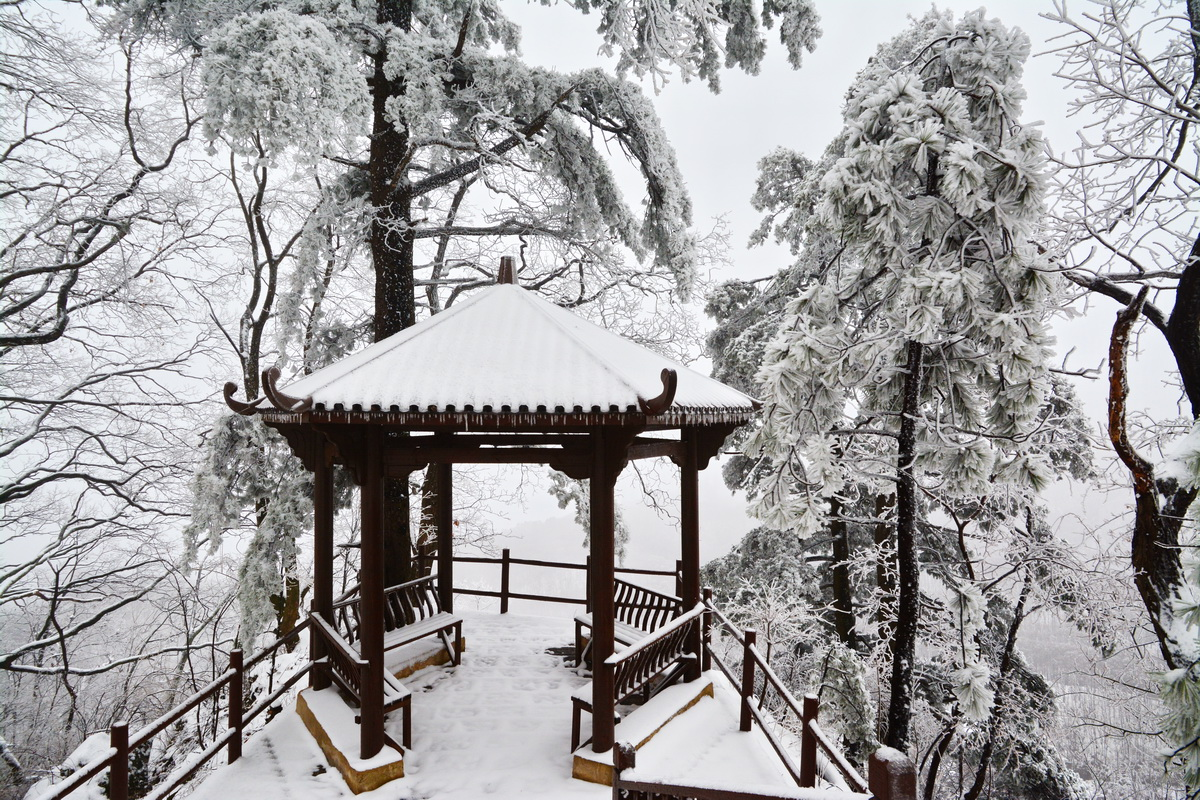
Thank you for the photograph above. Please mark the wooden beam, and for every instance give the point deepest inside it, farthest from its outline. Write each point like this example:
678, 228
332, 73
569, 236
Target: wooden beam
444, 519
655, 448
370, 643
408, 457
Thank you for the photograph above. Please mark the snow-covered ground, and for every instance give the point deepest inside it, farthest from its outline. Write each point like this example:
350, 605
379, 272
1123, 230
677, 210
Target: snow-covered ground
500, 726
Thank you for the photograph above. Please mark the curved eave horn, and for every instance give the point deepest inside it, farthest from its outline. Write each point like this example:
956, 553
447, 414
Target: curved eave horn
245, 409
280, 400
657, 405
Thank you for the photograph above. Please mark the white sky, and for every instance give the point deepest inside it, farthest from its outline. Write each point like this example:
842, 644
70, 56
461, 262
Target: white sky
720, 138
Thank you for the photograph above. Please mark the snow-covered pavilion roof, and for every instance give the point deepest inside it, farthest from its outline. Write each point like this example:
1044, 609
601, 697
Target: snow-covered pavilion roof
506, 349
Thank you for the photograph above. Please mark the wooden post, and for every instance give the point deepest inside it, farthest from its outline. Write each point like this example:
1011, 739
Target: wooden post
371, 598
808, 742
749, 637
504, 568
706, 631
322, 602
679, 579
892, 775
236, 687
603, 478
118, 771
587, 588
624, 757
445, 534
689, 527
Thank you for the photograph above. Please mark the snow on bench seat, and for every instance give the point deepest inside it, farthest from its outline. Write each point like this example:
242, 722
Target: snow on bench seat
411, 611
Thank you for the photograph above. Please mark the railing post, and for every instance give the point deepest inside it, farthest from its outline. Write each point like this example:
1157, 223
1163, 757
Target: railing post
624, 757
118, 771
504, 567
749, 637
706, 631
235, 704
808, 742
891, 775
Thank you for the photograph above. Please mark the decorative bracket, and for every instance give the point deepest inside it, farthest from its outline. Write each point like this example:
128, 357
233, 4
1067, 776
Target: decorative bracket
237, 406
280, 400
656, 405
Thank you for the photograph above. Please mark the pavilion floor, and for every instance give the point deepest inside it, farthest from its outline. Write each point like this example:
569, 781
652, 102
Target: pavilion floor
499, 726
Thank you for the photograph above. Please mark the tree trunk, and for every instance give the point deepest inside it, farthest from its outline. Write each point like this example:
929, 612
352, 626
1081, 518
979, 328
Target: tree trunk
392, 256
904, 641
843, 596
1154, 549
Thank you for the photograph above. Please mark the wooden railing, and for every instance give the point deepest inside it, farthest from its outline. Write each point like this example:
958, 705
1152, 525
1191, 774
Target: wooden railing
341, 664
231, 683
506, 562
892, 777
773, 707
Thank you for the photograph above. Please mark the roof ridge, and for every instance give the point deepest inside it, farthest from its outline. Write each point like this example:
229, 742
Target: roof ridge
579, 341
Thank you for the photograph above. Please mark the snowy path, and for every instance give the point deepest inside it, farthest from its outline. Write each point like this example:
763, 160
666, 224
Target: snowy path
498, 726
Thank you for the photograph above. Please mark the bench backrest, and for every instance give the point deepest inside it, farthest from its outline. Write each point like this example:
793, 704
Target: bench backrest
403, 605
667, 647
642, 608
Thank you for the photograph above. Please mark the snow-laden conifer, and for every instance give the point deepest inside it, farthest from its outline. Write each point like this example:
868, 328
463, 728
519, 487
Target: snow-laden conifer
920, 346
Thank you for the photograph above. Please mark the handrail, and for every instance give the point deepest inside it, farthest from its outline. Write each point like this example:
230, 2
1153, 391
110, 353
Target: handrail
812, 736
116, 757
530, 562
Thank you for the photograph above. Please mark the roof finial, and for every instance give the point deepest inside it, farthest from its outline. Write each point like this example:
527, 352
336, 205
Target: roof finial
508, 270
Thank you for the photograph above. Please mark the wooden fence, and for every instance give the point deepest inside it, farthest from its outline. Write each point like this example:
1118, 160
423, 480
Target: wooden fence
506, 562
765, 701
231, 684
892, 777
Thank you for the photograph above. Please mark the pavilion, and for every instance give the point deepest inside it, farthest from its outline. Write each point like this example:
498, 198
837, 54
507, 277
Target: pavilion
502, 377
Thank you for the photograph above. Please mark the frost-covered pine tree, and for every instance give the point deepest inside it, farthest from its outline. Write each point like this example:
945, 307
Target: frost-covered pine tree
914, 359
422, 122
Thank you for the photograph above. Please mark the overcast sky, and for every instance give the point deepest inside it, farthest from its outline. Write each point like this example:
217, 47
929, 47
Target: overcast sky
719, 139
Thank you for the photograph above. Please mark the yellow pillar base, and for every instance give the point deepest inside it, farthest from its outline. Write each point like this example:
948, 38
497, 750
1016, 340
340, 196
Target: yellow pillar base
331, 723
639, 727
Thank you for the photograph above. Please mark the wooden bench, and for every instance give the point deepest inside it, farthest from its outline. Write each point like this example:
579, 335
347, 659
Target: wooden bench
637, 612
647, 666
348, 671
411, 611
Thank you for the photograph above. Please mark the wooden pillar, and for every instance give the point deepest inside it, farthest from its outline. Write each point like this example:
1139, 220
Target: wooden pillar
689, 526
371, 614
444, 520
322, 601
603, 480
